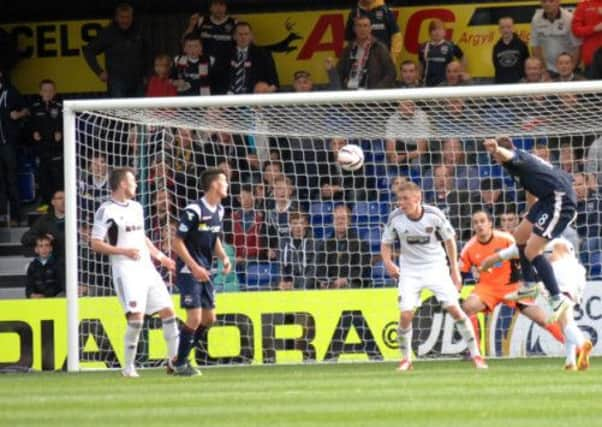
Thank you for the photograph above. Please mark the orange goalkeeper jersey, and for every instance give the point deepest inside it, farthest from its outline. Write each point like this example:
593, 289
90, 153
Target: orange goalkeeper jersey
474, 252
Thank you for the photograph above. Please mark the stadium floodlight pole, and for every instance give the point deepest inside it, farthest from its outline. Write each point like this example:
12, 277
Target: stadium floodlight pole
71, 252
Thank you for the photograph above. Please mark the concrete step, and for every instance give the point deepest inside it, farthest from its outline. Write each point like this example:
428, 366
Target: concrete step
14, 249
12, 235
14, 265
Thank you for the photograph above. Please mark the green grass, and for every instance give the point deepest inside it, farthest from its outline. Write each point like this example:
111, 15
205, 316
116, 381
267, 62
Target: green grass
534, 392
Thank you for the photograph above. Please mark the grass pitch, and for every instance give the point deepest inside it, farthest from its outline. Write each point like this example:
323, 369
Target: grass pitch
534, 392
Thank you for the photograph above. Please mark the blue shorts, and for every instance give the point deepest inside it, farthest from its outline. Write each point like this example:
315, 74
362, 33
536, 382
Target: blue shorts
195, 294
552, 215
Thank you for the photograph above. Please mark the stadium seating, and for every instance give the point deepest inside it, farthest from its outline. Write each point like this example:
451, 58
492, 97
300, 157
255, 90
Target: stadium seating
260, 276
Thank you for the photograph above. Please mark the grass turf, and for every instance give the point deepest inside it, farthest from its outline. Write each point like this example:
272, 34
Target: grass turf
533, 392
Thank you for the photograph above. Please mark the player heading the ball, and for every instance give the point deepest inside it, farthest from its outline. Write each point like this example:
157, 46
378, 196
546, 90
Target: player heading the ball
139, 287
547, 218
420, 230
197, 241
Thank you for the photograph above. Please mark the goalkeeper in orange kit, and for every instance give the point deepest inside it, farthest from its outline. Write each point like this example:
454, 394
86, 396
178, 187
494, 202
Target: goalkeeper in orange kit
502, 279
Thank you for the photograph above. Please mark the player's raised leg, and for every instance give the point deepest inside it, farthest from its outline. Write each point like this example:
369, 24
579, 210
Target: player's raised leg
552, 212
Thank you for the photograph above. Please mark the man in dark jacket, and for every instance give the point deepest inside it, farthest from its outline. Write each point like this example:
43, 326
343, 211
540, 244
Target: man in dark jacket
365, 63
298, 255
249, 64
345, 259
509, 54
51, 225
12, 110
126, 55
46, 273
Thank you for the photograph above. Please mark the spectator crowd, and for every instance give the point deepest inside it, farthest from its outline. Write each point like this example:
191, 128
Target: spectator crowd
295, 220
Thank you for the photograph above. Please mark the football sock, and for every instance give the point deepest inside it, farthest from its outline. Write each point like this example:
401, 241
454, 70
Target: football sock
170, 334
465, 329
132, 334
405, 342
476, 328
554, 330
200, 334
526, 267
574, 340
185, 344
573, 334
546, 273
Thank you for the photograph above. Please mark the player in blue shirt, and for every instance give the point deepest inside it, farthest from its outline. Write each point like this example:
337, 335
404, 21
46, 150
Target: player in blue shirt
549, 215
197, 241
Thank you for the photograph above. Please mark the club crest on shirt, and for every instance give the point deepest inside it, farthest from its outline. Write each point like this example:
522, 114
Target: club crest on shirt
132, 304
429, 229
183, 228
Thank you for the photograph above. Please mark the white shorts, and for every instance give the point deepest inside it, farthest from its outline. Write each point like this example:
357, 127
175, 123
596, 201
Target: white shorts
438, 281
141, 290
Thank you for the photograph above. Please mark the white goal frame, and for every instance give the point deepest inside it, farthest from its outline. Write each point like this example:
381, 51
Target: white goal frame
72, 108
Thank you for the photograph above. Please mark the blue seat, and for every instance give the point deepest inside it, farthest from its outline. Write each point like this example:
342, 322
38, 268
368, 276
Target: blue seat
261, 275
380, 277
321, 213
372, 236
594, 264
323, 232
490, 171
366, 213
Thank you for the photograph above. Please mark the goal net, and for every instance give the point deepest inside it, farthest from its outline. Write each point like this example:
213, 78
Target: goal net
302, 229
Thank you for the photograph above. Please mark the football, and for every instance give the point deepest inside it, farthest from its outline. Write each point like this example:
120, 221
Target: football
350, 157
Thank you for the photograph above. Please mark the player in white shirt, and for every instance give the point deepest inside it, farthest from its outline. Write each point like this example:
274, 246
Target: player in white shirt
570, 275
119, 232
423, 265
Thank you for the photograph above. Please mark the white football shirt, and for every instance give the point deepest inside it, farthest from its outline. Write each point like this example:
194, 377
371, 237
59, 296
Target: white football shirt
123, 224
420, 239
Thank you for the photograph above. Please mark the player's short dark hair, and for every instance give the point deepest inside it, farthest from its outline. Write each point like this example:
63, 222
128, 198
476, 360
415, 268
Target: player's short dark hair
407, 62
242, 24
212, 2
47, 82
118, 175
193, 37
209, 176
484, 211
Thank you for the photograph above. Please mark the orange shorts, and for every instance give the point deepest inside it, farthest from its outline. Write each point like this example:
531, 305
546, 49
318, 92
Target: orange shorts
494, 295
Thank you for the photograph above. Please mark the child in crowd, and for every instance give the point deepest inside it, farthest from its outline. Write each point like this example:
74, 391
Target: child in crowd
45, 274
192, 69
160, 83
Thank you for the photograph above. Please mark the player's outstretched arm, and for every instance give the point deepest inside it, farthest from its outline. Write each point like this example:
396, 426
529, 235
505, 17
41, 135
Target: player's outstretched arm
452, 254
105, 248
199, 273
386, 252
500, 154
222, 255
155, 253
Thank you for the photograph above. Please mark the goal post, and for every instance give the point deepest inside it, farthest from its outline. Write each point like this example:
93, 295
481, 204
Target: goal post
141, 132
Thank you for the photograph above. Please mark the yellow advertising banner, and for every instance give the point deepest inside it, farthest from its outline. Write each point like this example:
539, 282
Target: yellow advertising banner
299, 40
252, 328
